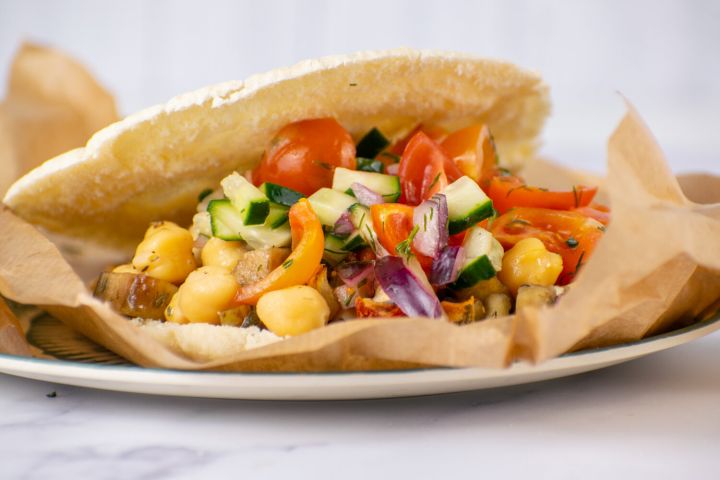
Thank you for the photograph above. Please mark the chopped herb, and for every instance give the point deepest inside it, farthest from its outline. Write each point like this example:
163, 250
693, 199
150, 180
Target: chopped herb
204, 193
362, 218
504, 172
348, 300
324, 165
371, 236
335, 251
51, 395
160, 300
370, 165
571, 242
259, 268
383, 225
521, 187
431, 213
435, 180
601, 228
425, 221
403, 248
287, 263
352, 84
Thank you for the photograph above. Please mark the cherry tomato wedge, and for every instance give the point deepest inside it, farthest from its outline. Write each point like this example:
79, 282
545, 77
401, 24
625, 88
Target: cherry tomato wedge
508, 192
601, 213
393, 223
421, 170
572, 235
303, 155
436, 133
473, 151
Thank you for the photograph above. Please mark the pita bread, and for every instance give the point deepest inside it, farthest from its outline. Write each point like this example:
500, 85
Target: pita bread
153, 164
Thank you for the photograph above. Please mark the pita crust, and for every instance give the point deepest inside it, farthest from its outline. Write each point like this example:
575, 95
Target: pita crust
152, 165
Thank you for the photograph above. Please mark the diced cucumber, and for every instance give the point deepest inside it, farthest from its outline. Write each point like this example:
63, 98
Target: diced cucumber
337, 248
226, 223
483, 258
386, 185
329, 204
280, 195
370, 165
360, 216
467, 204
278, 215
251, 203
371, 144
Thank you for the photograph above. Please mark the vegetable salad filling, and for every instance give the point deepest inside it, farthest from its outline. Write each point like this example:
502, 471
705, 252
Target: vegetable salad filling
324, 230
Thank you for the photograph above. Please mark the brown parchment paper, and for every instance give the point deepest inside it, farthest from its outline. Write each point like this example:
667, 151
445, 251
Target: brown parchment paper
658, 266
52, 104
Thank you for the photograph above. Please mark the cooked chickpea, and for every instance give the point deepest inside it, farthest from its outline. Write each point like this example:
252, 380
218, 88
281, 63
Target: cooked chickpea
165, 253
529, 262
172, 311
293, 310
206, 292
223, 254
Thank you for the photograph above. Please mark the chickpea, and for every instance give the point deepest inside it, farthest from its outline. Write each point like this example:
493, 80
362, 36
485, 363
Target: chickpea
172, 311
223, 254
206, 292
165, 253
293, 310
529, 262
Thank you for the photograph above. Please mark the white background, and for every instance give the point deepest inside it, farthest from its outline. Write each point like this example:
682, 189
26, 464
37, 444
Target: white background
663, 55
654, 417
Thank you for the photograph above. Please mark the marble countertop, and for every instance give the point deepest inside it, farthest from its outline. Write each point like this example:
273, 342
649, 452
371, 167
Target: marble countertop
657, 416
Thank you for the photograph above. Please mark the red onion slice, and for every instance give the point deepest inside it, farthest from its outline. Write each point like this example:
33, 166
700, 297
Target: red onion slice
352, 273
404, 288
445, 268
431, 218
344, 225
366, 196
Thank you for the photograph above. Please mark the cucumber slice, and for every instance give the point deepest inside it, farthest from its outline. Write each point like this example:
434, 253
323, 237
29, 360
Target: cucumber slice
280, 195
251, 203
467, 204
483, 256
226, 223
329, 204
360, 216
370, 165
386, 185
371, 144
337, 248
278, 215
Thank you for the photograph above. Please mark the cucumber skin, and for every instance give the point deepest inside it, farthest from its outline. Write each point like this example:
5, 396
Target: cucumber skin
216, 209
370, 165
256, 212
281, 195
371, 144
477, 215
480, 269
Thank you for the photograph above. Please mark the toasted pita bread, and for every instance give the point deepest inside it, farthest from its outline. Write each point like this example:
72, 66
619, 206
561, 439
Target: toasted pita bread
153, 164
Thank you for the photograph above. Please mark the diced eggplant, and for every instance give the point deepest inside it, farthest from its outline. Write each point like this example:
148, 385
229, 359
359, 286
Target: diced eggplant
460, 313
497, 305
135, 295
534, 296
320, 283
367, 307
255, 265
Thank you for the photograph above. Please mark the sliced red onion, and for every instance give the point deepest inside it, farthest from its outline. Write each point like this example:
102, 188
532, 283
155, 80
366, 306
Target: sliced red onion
365, 195
352, 273
431, 218
392, 169
405, 289
344, 225
445, 268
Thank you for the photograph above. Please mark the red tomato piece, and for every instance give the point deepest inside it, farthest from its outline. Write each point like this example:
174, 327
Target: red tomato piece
601, 213
509, 192
473, 151
303, 155
393, 223
421, 171
572, 235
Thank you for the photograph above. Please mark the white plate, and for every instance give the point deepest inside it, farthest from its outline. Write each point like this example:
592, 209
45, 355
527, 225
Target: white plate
335, 386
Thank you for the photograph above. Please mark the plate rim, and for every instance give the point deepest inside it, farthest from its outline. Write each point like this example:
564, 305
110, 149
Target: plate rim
711, 324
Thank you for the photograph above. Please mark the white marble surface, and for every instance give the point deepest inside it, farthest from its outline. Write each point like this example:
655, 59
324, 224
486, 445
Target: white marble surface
656, 417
